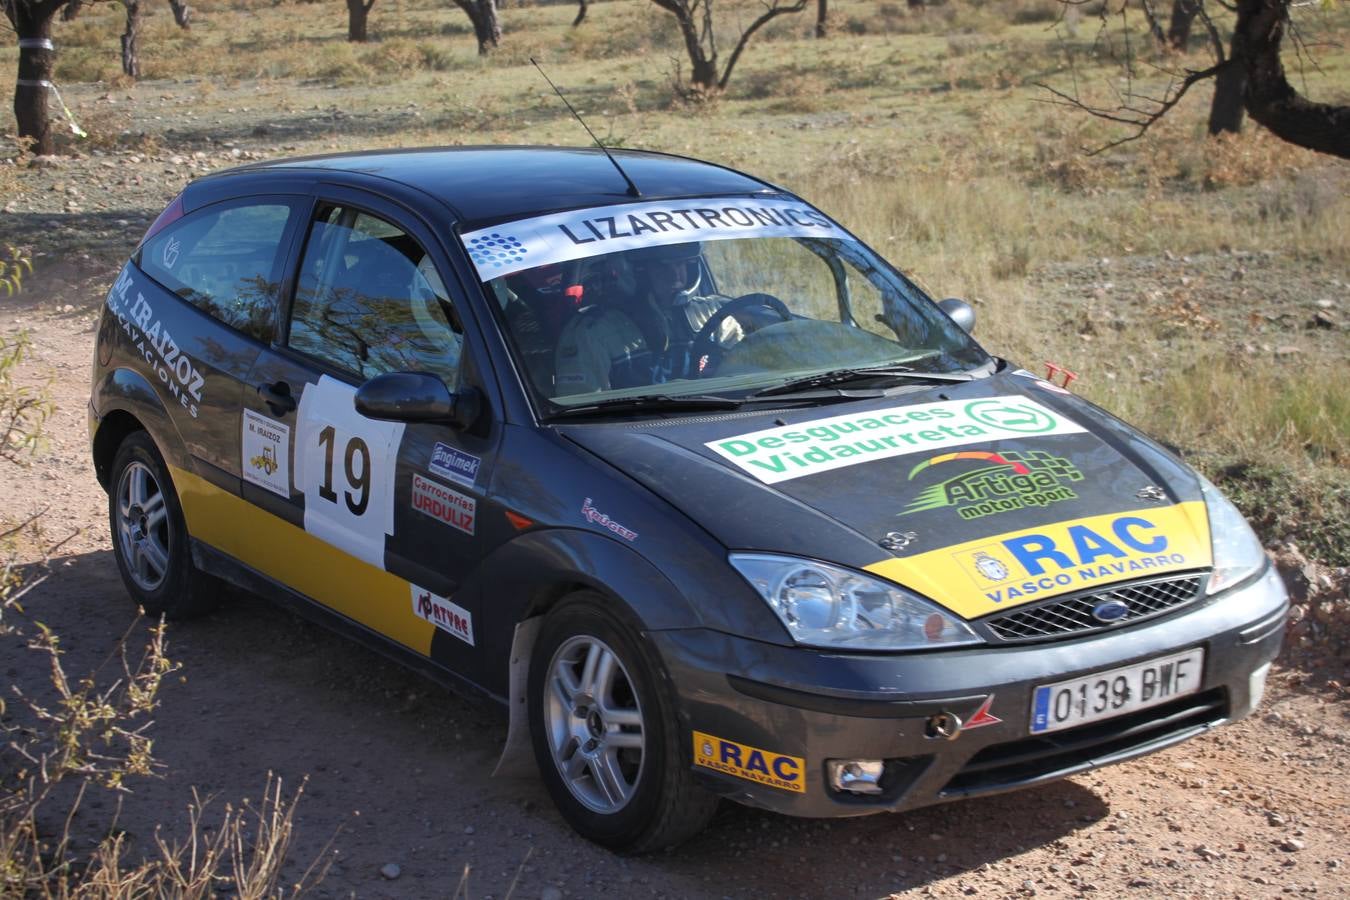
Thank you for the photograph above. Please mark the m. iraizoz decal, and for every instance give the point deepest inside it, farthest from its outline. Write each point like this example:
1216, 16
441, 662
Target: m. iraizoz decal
175, 370
994, 573
559, 237
266, 450
444, 614
458, 466
431, 498
780, 454
777, 770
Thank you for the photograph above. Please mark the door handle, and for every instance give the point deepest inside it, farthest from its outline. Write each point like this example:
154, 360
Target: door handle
277, 397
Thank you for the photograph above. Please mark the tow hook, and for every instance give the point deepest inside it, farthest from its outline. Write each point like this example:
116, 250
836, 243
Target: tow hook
943, 726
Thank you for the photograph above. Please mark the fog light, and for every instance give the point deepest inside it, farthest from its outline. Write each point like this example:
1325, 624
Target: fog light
857, 776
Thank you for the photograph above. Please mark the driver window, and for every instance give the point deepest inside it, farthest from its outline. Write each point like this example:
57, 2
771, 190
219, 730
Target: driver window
370, 300
778, 266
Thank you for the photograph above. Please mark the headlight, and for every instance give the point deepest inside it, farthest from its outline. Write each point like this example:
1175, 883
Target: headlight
1237, 550
828, 606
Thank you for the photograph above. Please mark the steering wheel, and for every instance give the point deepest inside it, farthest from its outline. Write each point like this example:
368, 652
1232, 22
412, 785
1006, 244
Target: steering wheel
705, 344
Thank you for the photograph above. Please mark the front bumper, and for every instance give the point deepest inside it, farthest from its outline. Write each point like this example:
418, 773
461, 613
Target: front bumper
794, 703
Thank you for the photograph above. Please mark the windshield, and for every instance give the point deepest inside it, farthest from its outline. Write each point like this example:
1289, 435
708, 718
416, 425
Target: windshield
702, 297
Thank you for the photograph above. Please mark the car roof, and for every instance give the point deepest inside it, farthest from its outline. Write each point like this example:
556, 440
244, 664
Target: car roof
484, 185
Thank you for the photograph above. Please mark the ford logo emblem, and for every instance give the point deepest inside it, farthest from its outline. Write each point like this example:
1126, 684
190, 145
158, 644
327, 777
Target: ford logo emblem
1110, 611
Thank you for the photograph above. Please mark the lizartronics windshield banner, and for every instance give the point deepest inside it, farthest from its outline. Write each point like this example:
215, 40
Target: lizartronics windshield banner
559, 237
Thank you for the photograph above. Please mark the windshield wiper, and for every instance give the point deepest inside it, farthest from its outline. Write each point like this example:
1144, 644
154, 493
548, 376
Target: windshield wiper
649, 403
840, 376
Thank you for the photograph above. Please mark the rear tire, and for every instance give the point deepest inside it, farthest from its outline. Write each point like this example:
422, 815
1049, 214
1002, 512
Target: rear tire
150, 537
605, 735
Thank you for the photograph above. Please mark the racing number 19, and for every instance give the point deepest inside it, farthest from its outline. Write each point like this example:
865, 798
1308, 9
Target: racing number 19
358, 479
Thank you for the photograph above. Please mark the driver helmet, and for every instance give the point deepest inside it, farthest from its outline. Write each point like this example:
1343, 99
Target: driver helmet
671, 272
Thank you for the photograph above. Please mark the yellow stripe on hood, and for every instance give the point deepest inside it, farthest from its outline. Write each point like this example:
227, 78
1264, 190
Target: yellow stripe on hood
1003, 571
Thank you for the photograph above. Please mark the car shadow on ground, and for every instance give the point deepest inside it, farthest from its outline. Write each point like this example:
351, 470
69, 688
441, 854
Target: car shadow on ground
399, 770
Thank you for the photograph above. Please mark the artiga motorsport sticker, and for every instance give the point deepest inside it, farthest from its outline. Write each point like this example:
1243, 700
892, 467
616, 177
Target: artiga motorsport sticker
781, 454
174, 369
443, 613
559, 237
998, 482
344, 465
266, 452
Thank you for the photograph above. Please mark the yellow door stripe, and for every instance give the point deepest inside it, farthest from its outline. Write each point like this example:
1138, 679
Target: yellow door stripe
299, 560
1007, 570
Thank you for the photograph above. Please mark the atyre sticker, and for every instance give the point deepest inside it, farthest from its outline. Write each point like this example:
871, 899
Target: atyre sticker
443, 613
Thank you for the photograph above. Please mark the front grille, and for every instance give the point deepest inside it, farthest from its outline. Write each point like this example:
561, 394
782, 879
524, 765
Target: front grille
1062, 617
1005, 766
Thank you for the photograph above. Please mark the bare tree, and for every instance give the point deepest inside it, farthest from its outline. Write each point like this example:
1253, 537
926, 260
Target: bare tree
581, 13
357, 12
131, 51
695, 20
487, 25
131, 59
1250, 77
822, 18
32, 22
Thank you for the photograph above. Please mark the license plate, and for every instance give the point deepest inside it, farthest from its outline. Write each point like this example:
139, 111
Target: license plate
1103, 695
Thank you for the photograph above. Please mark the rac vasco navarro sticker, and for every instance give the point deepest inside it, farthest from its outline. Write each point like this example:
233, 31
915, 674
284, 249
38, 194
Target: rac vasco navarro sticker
780, 454
776, 770
995, 573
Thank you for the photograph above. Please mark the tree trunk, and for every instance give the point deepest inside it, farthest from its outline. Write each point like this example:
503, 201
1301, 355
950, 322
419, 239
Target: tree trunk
182, 13
131, 62
581, 13
487, 27
1179, 28
357, 11
1270, 98
33, 24
822, 14
1226, 110
490, 34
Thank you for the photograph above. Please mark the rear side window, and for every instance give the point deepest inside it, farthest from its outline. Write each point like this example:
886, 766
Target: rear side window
224, 260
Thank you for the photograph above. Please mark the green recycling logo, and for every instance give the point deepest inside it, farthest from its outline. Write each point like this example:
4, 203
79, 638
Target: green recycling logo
1006, 415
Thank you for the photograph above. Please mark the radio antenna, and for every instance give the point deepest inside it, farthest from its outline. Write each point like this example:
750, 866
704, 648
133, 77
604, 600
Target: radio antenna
632, 188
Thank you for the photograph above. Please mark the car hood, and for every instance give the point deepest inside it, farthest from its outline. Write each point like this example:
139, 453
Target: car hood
981, 495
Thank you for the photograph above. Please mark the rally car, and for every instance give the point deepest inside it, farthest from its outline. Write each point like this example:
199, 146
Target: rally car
710, 495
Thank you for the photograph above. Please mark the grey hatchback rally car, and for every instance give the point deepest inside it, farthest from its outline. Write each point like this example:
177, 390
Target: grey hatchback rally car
711, 496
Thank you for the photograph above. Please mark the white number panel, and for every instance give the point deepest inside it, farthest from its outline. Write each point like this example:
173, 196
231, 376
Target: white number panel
344, 465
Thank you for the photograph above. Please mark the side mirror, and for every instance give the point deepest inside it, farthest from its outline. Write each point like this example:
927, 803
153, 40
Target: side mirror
961, 312
418, 397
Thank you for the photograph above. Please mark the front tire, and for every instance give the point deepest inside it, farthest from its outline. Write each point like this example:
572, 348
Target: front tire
150, 536
605, 735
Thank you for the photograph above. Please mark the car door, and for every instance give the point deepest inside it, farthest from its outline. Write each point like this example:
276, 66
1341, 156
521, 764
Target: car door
385, 519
